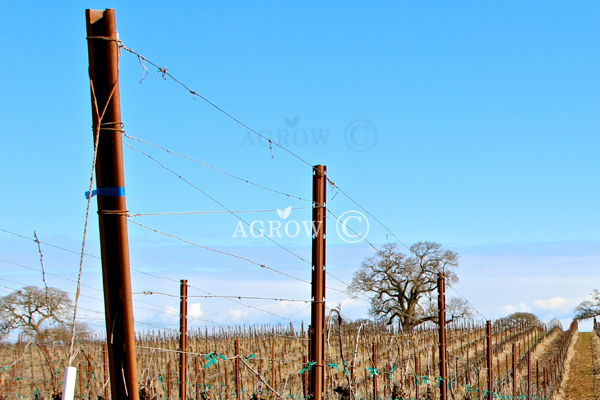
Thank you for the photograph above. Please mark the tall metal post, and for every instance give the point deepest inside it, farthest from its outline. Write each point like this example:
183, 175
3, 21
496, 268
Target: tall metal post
103, 53
417, 369
442, 323
106, 386
514, 371
537, 373
375, 396
490, 369
273, 376
545, 382
197, 371
304, 380
529, 375
183, 341
238, 392
168, 380
317, 315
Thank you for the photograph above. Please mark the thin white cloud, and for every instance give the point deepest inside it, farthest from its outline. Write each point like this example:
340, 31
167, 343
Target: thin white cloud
236, 315
195, 310
556, 304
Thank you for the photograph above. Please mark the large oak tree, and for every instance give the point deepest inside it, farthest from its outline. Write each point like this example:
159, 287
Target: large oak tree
33, 310
404, 287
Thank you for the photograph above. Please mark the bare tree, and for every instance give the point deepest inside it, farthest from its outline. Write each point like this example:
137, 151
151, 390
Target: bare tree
404, 287
32, 310
589, 308
519, 320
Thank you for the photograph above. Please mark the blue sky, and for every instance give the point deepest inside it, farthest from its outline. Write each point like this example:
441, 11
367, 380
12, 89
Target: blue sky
486, 121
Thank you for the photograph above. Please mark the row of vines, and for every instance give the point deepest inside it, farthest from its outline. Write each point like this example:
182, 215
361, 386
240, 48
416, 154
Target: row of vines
364, 361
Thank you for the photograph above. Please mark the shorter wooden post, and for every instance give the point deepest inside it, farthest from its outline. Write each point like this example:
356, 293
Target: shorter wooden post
304, 380
374, 370
528, 375
238, 392
106, 385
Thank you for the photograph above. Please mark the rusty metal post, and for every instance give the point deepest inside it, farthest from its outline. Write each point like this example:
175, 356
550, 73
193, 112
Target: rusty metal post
317, 314
238, 391
490, 367
183, 340
529, 375
498, 367
81, 395
197, 375
442, 324
514, 371
273, 377
537, 372
90, 376
309, 332
374, 369
106, 386
304, 380
103, 53
467, 380
226, 387
545, 382
169, 380
417, 357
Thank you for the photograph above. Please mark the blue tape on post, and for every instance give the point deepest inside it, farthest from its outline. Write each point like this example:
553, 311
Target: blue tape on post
107, 191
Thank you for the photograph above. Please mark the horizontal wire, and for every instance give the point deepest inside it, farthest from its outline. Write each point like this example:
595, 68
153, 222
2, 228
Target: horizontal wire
369, 213
227, 173
477, 311
218, 251
174, 313
196, 244
239, 257
212, 212
229, 211
48, 273
150, 293
216, 201
94, 298
176, 281
234, 213
163, 325
364, 239
165, 73
211, 294
247, 305
215, 168
26, 284
347, 286
193, 93
48, 244
133, 269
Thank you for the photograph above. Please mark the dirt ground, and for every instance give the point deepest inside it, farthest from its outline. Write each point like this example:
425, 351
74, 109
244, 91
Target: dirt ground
542, 352
581, 369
